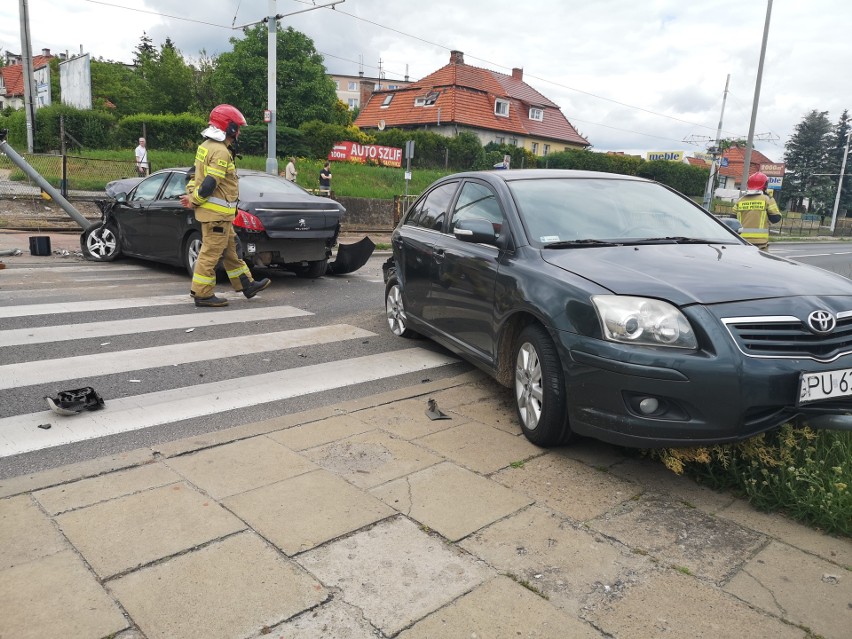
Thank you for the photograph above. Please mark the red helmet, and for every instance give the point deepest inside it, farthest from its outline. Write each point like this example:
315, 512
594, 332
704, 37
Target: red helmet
757, 182
228, 119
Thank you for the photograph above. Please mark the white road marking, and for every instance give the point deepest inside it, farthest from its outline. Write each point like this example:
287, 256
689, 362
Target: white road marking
67, 332
54, 269
21, 434
54, 370
25, 310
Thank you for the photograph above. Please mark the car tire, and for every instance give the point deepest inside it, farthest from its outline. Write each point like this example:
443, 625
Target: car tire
313, 270
191, 249
395, 311
100, 243
539, 385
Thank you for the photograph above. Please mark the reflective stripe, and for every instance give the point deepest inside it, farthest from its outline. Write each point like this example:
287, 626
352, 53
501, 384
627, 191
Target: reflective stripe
200, 154
221, 202
209, 170
235, 274
203, 279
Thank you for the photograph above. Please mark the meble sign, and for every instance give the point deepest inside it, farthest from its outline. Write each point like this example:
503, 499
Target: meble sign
671, 156
354, 152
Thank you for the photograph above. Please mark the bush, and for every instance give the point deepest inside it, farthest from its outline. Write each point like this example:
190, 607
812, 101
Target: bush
181, 132
319, 137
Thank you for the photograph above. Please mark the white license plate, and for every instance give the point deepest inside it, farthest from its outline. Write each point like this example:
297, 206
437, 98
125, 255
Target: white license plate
814, 387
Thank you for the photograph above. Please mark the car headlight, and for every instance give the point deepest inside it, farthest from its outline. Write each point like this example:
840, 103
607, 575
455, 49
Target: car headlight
641, 320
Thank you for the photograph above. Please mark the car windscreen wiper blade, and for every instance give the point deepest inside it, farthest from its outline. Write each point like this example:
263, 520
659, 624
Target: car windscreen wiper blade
578, 243
675, 239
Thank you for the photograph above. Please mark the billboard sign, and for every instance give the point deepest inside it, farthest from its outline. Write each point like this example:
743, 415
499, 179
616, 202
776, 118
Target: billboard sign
775, 182
75, 82
671, 156
772, 170
363, 153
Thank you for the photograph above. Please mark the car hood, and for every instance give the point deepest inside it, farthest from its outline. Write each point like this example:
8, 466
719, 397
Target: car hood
696, 273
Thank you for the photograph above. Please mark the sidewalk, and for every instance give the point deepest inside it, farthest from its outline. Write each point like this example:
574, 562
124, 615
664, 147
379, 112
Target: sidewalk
368, 519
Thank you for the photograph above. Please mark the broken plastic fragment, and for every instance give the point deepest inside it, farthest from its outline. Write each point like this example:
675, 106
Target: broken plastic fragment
433, 412
74, 401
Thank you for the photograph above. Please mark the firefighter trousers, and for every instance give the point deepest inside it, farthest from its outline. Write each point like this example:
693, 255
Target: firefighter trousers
217, 242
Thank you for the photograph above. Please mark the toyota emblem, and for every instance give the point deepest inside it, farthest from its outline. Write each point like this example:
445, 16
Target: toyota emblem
821, 322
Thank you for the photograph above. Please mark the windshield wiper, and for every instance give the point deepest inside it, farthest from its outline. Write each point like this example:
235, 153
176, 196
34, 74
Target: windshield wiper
578, 243
676, 239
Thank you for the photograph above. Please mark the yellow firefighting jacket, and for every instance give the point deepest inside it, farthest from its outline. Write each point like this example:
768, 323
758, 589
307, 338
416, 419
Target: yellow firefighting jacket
753, 210
215, 159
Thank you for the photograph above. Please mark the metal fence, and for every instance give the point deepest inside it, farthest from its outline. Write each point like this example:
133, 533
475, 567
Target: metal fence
71, 175
798, 224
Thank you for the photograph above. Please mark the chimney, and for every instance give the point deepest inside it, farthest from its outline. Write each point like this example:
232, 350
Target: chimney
367, 89
518, 74
456, 57
45, 52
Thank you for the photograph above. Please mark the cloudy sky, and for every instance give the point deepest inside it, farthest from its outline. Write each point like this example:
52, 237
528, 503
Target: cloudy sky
631, 75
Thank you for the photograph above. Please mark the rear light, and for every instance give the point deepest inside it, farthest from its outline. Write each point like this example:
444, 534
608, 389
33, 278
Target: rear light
248, 221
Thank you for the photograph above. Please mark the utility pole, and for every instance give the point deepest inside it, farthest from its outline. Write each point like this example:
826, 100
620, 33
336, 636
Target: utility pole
27, 58
747, 158
840, 184
272, 73
716, 152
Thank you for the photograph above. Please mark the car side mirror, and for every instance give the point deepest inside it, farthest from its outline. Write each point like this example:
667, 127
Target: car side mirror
121, 198
476, 230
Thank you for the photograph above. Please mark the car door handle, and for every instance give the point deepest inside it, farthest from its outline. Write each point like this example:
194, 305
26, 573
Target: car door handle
438, 255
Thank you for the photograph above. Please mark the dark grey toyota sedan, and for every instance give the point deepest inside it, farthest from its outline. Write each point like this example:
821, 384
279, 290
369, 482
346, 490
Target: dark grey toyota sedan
617, 308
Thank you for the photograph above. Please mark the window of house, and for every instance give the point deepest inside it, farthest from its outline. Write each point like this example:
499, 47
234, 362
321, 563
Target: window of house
500, 140
387, 100
535, 148
546, 149
427, 100
393, 86
353, 86
353, 103
514, 142
501, 107
536, 114
337, 85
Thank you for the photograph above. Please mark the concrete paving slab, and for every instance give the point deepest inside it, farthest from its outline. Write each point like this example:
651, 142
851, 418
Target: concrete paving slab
105, 487
320, 432
304, 511
479, 447
594, 453
568, 486
372, 458
484, 389
501, 608
672, 604
451, 500
571, 566
680, 536
134, 530
834, 549
235, 587
407, 419
240, 466
654, 477
395, 573
56, 596
497, 409
334, 619
775, 579
27, 533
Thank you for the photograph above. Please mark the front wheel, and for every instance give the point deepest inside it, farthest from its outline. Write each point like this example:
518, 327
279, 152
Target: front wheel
395, 311
100, 243
540, 389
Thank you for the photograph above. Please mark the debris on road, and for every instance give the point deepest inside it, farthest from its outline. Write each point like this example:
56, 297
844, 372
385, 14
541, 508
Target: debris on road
75, 401
433, 412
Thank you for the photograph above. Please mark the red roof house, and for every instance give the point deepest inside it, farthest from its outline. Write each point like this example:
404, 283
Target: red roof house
12, 82
730, 176
458, 97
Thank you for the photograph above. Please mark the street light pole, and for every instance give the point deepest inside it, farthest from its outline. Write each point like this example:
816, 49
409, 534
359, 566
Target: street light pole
747, 158
840, 184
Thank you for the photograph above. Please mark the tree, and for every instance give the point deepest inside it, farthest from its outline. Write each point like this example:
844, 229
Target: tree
113, 83
169, 81
144, 51
304, 91
838, 148
808, 161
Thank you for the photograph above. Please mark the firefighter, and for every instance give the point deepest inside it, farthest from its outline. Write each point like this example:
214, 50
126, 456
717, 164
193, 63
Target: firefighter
755, 210
213, 192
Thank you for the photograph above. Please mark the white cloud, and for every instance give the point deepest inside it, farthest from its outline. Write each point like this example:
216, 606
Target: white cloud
666, 59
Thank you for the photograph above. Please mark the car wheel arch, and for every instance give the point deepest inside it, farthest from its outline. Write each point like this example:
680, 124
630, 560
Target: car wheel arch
510, 329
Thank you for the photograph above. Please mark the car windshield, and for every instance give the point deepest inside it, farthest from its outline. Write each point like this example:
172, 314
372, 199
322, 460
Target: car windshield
567, 210
264, 184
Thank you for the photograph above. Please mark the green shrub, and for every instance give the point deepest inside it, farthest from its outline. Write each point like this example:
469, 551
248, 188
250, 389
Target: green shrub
181, 132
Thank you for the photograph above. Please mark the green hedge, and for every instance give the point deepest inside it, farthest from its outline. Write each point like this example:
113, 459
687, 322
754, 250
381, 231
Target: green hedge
180, 132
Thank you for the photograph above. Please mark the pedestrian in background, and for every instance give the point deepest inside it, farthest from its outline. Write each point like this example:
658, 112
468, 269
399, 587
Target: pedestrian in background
290, 171
141, 152
325, 179
755, 210
213, 192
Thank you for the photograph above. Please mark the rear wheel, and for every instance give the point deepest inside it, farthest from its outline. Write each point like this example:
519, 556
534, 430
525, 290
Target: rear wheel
395, 311
191, 249
100, 243
540, 389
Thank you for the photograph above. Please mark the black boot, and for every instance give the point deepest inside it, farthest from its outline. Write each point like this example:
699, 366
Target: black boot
250, 289
211, 301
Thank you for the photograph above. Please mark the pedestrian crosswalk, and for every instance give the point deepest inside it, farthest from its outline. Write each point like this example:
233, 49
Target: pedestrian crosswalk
54, 344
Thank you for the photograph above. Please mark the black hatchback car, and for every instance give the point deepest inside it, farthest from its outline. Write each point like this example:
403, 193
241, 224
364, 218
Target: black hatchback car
278, 224
617, 308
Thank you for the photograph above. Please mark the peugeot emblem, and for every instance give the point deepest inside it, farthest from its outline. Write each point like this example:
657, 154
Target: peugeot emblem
821, 322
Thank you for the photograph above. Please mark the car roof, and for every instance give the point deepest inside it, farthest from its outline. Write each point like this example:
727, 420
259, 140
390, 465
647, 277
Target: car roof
512, 175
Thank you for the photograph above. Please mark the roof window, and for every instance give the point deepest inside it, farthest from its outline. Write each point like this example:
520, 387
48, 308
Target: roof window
536, 114
501, 107
387, 100
428, 100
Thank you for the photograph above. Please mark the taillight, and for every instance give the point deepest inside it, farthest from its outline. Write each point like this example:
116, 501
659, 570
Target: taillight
248, 221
